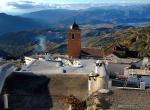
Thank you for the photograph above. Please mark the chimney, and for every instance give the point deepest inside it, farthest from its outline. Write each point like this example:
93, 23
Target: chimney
99, 79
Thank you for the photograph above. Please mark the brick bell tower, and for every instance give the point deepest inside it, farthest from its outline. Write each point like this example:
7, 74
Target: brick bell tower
74, 41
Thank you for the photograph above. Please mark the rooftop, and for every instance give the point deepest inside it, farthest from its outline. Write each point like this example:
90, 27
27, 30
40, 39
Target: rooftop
50, 67
122, 99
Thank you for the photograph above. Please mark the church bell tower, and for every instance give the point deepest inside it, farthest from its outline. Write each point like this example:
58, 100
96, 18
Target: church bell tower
74, 41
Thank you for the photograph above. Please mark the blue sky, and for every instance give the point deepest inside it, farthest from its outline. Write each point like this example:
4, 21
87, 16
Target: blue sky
23, 6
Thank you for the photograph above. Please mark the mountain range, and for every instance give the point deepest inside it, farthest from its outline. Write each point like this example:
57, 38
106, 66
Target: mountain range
115, 14
96, 15
9, 23
24, 34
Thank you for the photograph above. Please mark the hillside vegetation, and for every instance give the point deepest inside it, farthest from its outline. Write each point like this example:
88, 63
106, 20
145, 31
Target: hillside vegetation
18, 44
135, 39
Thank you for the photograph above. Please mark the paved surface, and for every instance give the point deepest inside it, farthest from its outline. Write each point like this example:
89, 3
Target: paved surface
51, 67
88, 65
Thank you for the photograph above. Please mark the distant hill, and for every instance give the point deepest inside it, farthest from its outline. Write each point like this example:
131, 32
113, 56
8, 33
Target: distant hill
136, 15
10, 23
22, 43
130, 14
17, 44
3, 54
53, 16
135, 39
24, 34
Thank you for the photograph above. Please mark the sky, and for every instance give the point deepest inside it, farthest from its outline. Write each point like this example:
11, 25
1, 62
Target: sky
24, 6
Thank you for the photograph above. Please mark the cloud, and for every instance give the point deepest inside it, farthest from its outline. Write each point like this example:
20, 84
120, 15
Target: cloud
29, 5
22, 4
27, 2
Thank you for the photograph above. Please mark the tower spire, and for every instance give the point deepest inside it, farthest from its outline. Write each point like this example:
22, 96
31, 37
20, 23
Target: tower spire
75, 26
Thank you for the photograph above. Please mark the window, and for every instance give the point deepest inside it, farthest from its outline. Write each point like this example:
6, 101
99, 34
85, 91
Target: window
72, 36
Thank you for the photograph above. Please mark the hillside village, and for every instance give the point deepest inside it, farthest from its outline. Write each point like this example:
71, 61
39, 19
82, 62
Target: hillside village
74, 54
85, 78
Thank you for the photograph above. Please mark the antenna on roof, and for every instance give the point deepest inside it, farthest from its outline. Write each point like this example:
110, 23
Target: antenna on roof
74, 19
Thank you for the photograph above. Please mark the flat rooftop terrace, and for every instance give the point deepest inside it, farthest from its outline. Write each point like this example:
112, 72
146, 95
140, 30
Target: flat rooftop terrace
39, 66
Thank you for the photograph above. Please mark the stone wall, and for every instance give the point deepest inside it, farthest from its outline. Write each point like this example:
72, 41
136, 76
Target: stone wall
69, 84
31, 92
